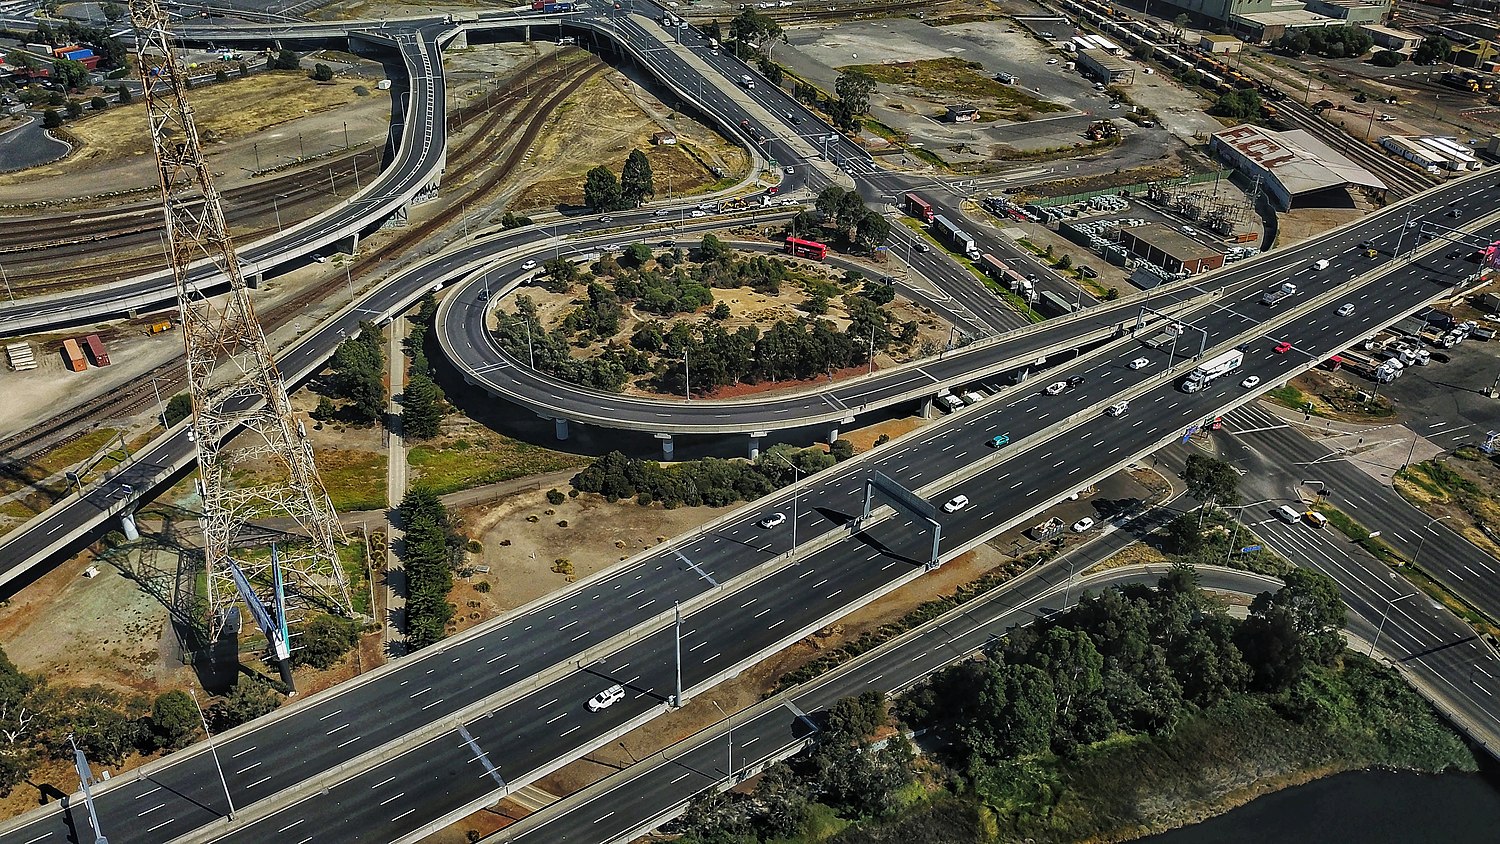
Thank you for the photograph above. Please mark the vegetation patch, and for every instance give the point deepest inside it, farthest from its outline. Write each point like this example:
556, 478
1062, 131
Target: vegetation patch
958, 77
355, 480
462, 461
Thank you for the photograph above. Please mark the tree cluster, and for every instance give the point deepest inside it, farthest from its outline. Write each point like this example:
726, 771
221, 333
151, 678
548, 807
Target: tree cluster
320, 73
753, 32
603, 192
428, 561
285, 60
710, 481
359, 375
1240, 104
422, 402
845, 219
1332, 42
179, 407
37, 718
324, 639
842, 770
706, 354
1131, 660
1434, 49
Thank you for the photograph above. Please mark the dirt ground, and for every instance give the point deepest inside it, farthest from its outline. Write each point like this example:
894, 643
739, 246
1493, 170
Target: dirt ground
1299, 224
600, 124
266, 115
521, 553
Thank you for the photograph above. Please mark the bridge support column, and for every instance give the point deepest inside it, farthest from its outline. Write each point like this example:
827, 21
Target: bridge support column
667, 447
925, 409
526, 34
755, 437
253, 281
460, 41
353, 244
127, 526
560, 427
833, 434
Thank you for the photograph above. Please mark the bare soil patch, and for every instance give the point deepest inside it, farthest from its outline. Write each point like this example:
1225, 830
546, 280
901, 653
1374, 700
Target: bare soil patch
523, 538
953, 76
600, 124
1462, 488
240, 108
1299, 224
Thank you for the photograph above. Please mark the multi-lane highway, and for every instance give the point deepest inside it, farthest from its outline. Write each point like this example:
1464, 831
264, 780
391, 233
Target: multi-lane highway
468, 344
738, 626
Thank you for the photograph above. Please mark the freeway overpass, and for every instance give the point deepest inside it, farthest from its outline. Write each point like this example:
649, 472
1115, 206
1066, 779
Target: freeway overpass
514, 687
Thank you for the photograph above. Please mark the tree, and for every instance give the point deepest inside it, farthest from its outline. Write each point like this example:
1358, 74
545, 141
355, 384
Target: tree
286, 60
249, 699
70, 74
872, 230
601, 190
359, 367
322, 73
428, 573
711, 249
636, 183
854, 88
113, 12
638, 254
22, 716
98, 104
1211, 480
421, 408
1241, 104
1433, 50
242, 69
1387, 58
174, 720
74, 109
179, 407
221, 75
841, 449
125, 95
324, 641
51, 119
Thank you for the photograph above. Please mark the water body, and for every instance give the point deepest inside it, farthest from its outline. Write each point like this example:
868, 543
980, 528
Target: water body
1361, 807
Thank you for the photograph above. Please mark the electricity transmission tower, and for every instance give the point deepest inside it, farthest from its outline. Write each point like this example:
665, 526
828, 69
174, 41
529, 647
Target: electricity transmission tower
266, 470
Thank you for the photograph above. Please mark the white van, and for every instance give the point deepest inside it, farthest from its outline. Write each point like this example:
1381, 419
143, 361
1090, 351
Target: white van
1320, 264
1117, 409
750, 83
951, 402
1287, 514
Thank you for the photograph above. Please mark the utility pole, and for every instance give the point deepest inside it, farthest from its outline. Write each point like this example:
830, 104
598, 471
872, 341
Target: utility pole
677, 615
231, 375
213, 750
85, 783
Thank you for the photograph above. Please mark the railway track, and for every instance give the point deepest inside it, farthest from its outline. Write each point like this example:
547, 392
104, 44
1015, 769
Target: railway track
1401, 180
481, 146
38, 259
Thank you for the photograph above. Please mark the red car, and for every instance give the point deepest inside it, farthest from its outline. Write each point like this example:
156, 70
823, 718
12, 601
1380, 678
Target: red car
1282, 348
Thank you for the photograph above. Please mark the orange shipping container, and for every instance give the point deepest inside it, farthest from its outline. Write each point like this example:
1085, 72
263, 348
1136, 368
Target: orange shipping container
73, 356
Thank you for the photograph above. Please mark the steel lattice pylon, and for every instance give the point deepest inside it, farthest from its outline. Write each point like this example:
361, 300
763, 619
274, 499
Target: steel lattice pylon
235, 385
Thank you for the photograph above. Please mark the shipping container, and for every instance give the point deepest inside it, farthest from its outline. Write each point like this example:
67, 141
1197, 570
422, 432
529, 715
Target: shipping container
919, 208
96, 350
159, 327
73, 356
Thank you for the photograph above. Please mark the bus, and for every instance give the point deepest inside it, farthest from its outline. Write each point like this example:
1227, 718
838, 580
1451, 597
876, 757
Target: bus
806, 248
919, 208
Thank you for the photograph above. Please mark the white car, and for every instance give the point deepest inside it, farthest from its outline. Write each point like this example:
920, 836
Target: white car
698, 212
791, 170
788, 201
662, 212
1346, 309
1117, 409
613, 247
956, 503
1251, 382
529, 265
1052, 60
1056, 388
607, 698
1140, 363
773, 520
1083, 524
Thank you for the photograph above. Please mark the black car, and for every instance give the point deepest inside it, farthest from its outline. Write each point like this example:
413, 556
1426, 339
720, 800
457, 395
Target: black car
1075, 380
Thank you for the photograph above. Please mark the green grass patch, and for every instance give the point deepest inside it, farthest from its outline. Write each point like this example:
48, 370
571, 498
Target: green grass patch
355, 479
955, 76
884, 131
1289, 396
356, 574
928, 156
1437, 477
1359, 534
474, 460
46, 465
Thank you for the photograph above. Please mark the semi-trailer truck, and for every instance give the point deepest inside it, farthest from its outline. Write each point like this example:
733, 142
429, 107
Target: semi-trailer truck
1216, 367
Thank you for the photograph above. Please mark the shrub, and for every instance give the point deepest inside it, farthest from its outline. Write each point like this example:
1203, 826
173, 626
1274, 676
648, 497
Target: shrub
555, 497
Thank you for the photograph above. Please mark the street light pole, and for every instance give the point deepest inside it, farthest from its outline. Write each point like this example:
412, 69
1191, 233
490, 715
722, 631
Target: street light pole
214, 751
796, 491
1384, 616
729, 728
677, 615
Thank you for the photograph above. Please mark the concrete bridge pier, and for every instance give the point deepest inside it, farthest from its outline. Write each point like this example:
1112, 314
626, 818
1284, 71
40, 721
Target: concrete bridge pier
526, 34
349, 245
755, 438
667, 447
925, 408
460, 41
833, 433
127, 526
559, 427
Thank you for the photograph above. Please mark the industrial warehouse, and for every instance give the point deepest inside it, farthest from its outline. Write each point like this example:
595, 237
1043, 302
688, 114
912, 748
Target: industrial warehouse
1293, 168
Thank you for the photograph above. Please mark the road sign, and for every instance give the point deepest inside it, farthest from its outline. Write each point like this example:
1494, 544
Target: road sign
1191, 430
1248, 548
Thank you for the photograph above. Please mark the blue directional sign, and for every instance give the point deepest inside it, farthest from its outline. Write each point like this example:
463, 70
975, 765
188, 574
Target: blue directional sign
1248, 548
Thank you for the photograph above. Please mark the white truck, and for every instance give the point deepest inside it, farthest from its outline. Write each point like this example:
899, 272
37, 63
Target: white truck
1215, 367
1271, 297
